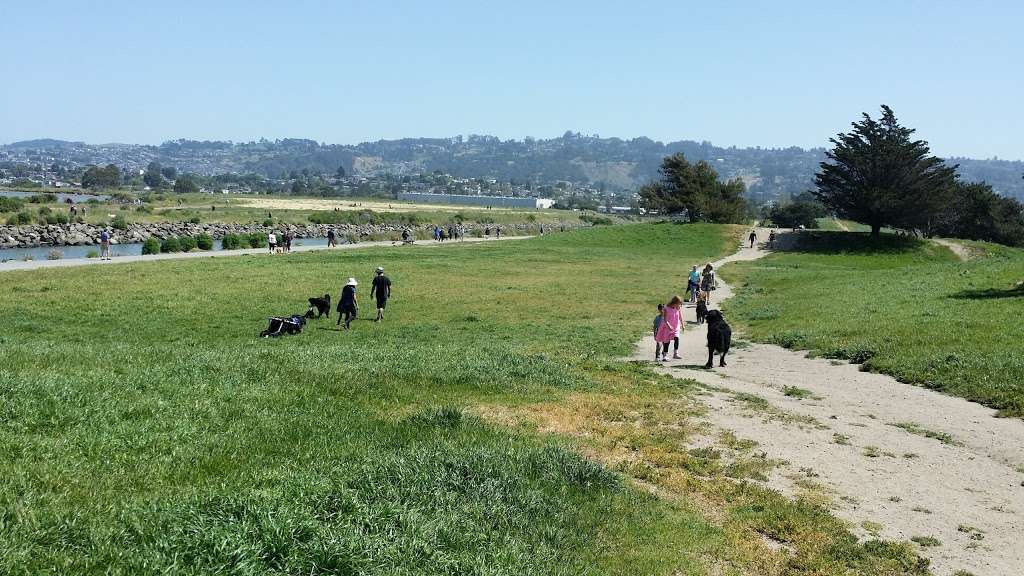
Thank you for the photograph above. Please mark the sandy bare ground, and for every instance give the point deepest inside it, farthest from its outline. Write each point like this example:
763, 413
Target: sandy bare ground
330, 204
962, 252
840, 447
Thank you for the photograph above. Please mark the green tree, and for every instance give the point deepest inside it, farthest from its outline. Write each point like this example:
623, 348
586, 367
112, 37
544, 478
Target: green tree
877, 175
340, 172
186, 185
169, 172
152, 177
108, 176
977, 212
696, 191
796, 214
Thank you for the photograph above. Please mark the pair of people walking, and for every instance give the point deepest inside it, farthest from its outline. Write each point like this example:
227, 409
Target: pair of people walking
702, 282
348, 303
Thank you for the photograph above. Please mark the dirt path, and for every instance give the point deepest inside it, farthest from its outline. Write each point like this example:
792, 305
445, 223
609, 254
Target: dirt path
962, 252
950, 470
71, 262
842, 225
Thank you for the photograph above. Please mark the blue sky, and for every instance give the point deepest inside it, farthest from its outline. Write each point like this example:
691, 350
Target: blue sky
753, 73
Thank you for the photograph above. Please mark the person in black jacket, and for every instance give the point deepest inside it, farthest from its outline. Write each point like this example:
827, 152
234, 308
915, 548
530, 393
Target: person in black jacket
348, 304
381, 288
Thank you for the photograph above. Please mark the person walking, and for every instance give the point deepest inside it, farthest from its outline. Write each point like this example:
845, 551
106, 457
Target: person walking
671, 327
657, 324
271, 241
331, 238
753, 238
104, 245
498, 233
288, 242
348, 303
693, 283
707, 282
771, 239
381, 288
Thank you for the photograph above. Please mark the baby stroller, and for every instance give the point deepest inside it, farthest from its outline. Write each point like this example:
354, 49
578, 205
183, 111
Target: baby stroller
280, 325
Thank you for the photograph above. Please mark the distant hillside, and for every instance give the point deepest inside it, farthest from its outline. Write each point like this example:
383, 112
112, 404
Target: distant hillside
612, 163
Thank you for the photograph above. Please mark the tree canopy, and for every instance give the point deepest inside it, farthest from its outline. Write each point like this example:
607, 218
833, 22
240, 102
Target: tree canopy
108, 176
152, 177
185, 184
695, 191
876, 174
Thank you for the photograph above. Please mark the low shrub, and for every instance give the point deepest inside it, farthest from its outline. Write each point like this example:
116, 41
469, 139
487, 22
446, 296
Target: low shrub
96, 253
194, 220
119, 222
268, 222
143, 209
23, 218
204, 242
150, 246
257, 240
45, 198
231, 242
54, 254
10, 204
45, 210
170, 245
187, 243
596, 220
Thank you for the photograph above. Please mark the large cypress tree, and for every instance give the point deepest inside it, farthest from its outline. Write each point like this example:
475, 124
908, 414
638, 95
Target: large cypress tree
877, 175
694, 189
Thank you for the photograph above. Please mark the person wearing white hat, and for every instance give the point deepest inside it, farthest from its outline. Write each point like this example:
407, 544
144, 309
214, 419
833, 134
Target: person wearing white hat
348, 304
382, 290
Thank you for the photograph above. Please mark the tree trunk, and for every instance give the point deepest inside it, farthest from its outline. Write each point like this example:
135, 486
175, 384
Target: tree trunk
876, 230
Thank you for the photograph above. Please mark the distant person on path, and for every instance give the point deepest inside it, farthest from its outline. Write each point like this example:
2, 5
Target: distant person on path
332, 240
104, 245
348, 304
753, 238
707, 281
499, 232
542, 233
771, 238
657, 324
271, 242
487, 232
288, 242
693, 283
671, 327
381, 288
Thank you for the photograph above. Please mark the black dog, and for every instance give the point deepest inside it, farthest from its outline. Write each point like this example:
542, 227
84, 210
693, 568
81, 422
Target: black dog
702, 311
719, 337
321, 305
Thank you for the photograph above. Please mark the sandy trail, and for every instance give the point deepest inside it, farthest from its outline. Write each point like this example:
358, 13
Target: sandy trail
841, 446
332, 204
962, 252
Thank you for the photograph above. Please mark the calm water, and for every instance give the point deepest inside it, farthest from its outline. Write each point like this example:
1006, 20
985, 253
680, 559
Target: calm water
41, 252
76, 198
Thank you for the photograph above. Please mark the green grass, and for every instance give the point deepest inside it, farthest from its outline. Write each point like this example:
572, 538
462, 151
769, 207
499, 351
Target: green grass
917, 429
903, 307
146, 429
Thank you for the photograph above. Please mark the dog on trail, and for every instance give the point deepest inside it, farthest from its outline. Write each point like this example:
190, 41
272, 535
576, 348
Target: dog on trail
319, 306
702, 308
719, 337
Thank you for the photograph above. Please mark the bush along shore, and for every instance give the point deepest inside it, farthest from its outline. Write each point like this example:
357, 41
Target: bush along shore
33, 235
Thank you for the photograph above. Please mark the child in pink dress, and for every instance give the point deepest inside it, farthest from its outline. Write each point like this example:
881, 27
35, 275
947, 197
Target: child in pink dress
670, 328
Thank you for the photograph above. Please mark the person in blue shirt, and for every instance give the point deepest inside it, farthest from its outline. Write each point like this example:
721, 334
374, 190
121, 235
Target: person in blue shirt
104, 245
693, 283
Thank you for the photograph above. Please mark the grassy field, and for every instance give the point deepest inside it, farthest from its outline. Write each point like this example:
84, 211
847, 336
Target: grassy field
904, 307
487, 427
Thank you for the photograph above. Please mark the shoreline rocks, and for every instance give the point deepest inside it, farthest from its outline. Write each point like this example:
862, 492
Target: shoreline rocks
35, 235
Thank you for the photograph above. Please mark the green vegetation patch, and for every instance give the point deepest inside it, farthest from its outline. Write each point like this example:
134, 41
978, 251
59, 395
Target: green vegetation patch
895, 305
